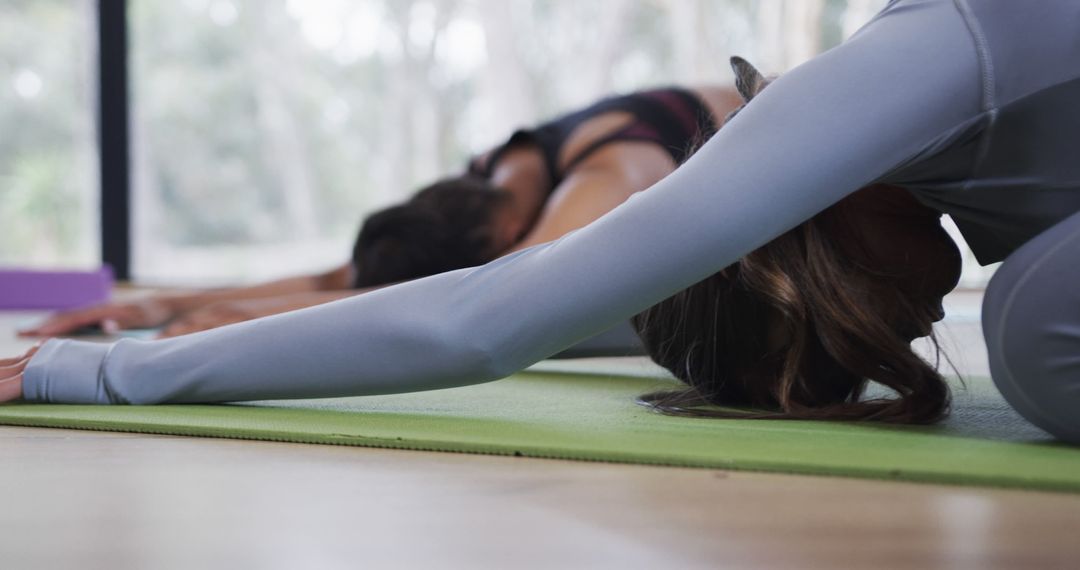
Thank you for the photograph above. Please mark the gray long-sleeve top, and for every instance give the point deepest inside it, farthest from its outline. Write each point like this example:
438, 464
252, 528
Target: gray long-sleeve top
972, 104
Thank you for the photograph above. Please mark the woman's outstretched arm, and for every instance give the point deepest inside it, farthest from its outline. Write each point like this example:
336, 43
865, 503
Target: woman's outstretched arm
158, 310
904, 84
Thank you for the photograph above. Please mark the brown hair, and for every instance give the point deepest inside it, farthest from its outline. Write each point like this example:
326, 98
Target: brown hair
445, 226
799, 327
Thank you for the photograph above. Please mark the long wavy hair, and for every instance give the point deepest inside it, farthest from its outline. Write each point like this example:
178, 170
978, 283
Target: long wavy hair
798, 328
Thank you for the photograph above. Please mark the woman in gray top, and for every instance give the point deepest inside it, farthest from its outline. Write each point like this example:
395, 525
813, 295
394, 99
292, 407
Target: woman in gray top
972, 105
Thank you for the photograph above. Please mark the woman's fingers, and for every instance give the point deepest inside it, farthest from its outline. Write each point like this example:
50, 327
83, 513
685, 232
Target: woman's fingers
13, 369
110, 317
11, 363
11, 374
69, 321
5, 362
11, 388
15, 360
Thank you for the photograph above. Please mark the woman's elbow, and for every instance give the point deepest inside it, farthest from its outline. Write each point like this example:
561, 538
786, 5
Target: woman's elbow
482, 353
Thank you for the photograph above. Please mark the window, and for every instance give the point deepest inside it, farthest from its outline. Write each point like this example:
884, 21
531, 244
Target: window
263, 131
48, 152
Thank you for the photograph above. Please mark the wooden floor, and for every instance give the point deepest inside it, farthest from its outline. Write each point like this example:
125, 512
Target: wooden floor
75, 499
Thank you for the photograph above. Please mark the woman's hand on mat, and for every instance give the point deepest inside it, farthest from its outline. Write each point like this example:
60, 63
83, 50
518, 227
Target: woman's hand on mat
11, 375
143, 313
218, 315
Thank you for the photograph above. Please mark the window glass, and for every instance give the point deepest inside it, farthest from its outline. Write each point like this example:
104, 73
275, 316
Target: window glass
265, 130
48, 151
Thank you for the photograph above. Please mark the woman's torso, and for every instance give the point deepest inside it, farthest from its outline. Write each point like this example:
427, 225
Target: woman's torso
1014, 170
644, 135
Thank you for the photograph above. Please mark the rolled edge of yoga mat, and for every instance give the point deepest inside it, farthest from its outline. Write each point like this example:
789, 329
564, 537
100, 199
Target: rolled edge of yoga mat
41, 289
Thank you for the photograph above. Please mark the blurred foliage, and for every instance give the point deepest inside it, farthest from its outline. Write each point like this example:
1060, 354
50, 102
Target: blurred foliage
48, 188
261, 124
263, 130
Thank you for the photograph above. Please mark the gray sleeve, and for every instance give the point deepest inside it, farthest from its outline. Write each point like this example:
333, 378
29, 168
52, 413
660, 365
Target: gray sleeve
818, 133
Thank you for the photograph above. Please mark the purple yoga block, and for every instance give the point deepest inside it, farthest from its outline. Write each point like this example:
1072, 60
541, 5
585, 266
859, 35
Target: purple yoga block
32, 289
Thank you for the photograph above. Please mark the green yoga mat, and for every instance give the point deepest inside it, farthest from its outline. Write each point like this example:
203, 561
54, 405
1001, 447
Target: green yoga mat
586, 411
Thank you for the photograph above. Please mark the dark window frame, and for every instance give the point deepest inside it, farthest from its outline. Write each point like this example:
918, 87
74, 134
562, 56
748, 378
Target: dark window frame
113, 136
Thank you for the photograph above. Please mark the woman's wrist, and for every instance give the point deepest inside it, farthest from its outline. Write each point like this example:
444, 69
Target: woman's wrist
66, 371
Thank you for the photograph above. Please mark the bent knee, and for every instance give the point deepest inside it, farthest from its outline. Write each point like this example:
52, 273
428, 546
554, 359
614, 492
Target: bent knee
1031, 323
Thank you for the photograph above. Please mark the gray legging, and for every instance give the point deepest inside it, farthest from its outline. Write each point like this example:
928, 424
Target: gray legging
1031, 321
